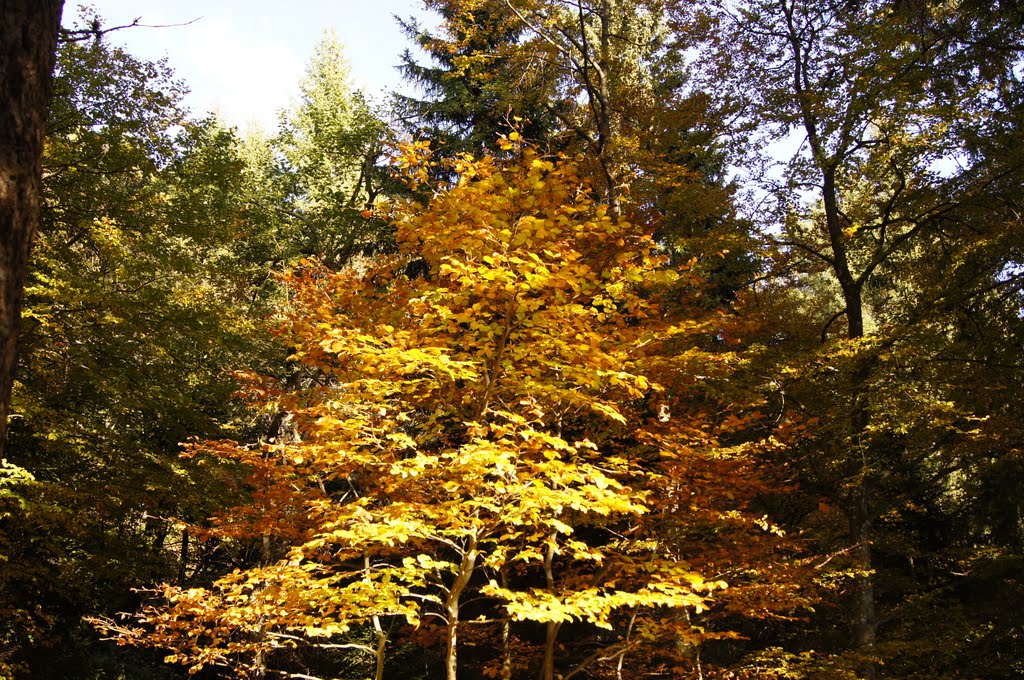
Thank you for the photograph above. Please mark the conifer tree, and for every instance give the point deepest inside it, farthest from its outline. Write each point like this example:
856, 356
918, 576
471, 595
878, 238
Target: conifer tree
330, 144
474, 88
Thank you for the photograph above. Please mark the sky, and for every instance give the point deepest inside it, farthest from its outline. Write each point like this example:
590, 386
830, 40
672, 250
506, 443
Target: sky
244, 58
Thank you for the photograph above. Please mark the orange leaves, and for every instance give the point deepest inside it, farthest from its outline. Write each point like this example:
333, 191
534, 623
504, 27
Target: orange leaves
467, 414
524, 273
447, 389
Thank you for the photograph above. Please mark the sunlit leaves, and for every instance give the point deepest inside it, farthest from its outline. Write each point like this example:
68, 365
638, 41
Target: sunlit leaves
435, 444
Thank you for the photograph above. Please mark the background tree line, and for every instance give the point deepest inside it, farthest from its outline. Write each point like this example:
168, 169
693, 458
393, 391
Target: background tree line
682, 338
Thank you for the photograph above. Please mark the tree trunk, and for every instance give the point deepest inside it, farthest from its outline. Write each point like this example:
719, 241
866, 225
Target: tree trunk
466, 568
183, 556
28, 46
857, 505
865, 620
379, 652
550, 640
547, 671
378, 630
858, 514
506, 635
600, 95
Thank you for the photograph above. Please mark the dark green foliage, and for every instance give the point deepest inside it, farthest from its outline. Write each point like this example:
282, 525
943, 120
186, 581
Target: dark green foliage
475, 89
139, 303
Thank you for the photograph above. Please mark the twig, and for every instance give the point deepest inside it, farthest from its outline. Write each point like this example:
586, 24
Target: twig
97, 31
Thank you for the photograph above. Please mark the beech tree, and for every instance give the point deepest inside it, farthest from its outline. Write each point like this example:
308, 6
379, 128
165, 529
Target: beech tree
537, 418
473, 425
608, 80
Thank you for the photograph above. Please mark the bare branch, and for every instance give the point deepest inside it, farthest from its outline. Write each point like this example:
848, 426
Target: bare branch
97, 31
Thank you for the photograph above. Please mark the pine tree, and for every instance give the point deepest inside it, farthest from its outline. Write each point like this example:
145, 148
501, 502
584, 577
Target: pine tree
474, 88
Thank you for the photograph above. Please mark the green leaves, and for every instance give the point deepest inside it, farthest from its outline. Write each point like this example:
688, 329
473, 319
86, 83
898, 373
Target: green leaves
141, 298
327, 148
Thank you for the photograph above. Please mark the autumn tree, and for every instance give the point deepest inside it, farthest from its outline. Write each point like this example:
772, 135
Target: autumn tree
609, 81
471, 429
577, 71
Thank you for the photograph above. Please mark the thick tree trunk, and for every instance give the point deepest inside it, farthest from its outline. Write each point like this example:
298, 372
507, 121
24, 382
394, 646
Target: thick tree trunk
857, 510
858, 514
865, 620
28, 45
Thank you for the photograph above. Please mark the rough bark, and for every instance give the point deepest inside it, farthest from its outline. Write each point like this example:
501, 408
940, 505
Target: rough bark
28, 46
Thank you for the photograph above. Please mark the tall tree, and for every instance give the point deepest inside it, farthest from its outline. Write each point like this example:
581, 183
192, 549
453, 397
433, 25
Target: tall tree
28, 44
882, 98
330, 143
603, 79
475, 88
482, 429
143, 291
603, 51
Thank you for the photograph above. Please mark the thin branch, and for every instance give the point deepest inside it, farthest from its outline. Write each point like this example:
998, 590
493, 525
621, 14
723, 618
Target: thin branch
836, 554
832, 319
323, 645
544, 36
807, 249
605, 654
96, 30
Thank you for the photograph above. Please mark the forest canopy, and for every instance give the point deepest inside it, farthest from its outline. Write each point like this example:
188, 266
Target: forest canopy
646, 339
